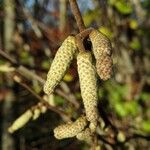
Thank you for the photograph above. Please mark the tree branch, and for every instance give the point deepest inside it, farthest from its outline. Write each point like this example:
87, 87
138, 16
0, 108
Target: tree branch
77, 14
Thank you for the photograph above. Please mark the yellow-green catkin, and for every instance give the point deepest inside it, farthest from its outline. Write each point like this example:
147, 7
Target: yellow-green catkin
88, 86
60, 64
70, 129
85, 135
21, 121
102, 50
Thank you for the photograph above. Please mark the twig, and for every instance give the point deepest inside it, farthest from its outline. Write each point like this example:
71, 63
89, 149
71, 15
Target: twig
25, 72
83, 31
77, 14
55, 109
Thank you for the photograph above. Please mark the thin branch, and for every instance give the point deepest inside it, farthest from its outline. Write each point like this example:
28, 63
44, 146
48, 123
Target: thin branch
77, 14
25, 72
55, 109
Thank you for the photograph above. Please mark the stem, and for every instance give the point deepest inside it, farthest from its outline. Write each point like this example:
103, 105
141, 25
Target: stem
55, 109
77, 14
25, 72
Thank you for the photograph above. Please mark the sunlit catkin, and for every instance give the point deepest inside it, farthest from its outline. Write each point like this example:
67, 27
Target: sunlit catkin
102, 50
60, 64
85, 135
88, 86
21, 121
70, 129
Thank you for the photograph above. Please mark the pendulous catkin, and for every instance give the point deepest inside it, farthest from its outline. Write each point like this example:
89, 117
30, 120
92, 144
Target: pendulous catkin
60, 64
85, 135
88, 86
70, 129
102, 50
32, 113
21, 121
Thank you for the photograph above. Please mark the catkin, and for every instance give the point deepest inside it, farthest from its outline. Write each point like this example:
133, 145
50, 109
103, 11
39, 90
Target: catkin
85, 135
60, 64
88, 86
21, 121
70, 129
102, 50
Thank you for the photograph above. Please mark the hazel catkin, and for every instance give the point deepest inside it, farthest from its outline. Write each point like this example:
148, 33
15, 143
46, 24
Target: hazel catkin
60, 64
85, 135
21, 121
102, 50
88, 86
70, 129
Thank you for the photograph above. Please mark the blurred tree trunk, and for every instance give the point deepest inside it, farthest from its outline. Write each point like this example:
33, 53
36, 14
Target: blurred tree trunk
62, 12
7, 110
9, 24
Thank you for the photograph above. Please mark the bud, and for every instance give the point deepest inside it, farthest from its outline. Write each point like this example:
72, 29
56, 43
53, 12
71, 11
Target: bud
60, 64
88, 86
36, 113
102, 50
70, 129
21, 121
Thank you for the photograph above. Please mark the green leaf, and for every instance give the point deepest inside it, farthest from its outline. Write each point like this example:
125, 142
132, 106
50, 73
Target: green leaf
45, 64
145, 96
135, 44
146, 126
123, 7
106, 31
132, 107
90, 16
119, 108
133, 24
59, 100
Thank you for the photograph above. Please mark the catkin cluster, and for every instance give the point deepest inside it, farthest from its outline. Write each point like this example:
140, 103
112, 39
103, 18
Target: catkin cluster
70, 129
102, 50
88, 86
60, 64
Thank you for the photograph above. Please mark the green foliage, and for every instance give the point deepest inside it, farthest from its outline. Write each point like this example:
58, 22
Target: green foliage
146, 126
135, 44
26, 57
116, 96
122, 6
90, 16
45, 64
59, 100
106, 31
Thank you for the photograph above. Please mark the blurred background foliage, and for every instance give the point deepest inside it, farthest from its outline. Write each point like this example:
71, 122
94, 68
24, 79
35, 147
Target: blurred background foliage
31, 32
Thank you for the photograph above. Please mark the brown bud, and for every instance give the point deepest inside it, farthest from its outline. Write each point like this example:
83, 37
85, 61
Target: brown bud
88, 86
60, 64
102, 50
70, 129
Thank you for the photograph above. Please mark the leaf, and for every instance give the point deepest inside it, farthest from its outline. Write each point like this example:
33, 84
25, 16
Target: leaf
133, 24
106, 31
45, 64
132, 108
146, 126
122, 6
145, 96
58, 100
119, 108
135, 44
90, 16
